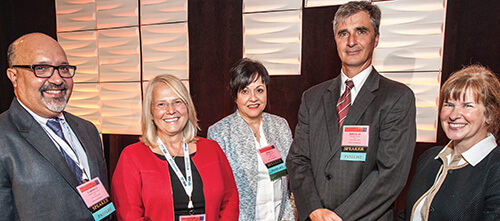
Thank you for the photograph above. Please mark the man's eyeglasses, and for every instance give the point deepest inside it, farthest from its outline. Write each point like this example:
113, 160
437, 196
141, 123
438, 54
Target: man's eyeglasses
46, 71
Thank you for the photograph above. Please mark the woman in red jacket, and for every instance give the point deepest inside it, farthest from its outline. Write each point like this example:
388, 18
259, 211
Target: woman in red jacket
172, 174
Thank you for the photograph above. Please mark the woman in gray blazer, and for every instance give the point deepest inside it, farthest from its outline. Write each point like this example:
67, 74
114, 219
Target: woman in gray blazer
246, 133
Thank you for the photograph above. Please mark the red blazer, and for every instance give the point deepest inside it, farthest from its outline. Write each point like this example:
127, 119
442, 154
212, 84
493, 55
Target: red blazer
141, 187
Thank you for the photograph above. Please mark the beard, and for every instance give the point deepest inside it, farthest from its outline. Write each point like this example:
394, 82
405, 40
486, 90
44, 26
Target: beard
55, 104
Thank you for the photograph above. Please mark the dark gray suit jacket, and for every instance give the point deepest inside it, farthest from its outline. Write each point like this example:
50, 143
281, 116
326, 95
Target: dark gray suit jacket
35, 181
353, 190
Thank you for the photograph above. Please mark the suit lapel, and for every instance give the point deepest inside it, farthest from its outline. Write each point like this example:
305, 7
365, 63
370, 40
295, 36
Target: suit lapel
244, 160
268, 131
272, 134
330, 99
245, 148
363, 99
39, 140
82, 133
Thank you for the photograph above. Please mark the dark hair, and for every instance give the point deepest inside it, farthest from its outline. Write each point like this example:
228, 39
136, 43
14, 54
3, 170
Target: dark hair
353, 7
244, 73
485, 89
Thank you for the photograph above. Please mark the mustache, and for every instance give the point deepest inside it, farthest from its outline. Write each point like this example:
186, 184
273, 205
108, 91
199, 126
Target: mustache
51, 86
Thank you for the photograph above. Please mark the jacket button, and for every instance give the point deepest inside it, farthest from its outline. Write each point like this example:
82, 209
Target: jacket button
328, 177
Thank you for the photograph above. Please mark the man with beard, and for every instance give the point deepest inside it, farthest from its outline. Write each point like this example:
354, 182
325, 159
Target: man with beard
45, 152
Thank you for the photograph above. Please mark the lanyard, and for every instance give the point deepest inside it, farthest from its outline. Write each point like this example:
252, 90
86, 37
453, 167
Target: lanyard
186, 183
66, 147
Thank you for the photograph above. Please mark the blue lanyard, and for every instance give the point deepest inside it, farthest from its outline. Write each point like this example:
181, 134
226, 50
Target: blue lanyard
63, 146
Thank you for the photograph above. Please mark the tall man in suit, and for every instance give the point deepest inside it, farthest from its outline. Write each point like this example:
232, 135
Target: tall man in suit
353, 166
40, 169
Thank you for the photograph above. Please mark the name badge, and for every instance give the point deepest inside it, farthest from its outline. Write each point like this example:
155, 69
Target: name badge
198, 217
274, 163
96, 198
354, 142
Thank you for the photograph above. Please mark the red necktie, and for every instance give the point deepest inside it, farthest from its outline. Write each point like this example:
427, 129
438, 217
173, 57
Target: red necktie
344, 102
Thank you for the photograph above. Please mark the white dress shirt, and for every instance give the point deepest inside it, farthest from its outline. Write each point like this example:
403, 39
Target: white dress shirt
268, 192
358, 81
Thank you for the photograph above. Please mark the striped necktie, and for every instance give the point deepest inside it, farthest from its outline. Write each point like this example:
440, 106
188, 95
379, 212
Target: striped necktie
344, 102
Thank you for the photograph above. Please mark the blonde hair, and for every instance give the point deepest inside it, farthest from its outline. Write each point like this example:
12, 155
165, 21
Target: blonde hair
485, 89
149, 129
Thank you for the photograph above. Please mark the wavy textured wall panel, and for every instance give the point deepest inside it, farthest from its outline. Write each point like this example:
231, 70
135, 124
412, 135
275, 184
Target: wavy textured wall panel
116, 13
165, 50
270, 5
74, 15
119, 54
103, 38
121, 108
275, 39
85, 102
318, 3
425, 85
410, 51
81, 49
163, 11
411, 36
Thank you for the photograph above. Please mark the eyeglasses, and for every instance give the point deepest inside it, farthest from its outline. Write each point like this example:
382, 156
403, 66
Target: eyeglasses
46, 71
163, 105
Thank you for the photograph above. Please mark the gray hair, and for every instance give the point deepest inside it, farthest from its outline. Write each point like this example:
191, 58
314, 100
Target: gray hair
354, 7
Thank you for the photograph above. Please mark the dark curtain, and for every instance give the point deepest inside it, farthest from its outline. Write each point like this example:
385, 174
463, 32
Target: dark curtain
215, 45
20, 17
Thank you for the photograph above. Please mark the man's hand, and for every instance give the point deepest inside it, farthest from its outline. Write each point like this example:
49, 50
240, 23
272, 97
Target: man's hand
324, 214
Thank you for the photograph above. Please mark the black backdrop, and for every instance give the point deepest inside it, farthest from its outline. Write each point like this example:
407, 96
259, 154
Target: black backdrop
215, 37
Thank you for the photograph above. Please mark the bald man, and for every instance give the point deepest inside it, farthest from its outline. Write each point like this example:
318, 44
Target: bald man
45, 152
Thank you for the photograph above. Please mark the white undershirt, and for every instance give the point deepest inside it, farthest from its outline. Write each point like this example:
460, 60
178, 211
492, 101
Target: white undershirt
268, 192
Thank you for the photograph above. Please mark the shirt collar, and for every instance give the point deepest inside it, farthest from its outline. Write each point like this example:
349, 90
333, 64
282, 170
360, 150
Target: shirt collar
479, 151
359, 79
476, 153
41, 120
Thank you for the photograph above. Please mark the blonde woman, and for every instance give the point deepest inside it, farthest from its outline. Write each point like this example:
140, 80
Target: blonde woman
151, 180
